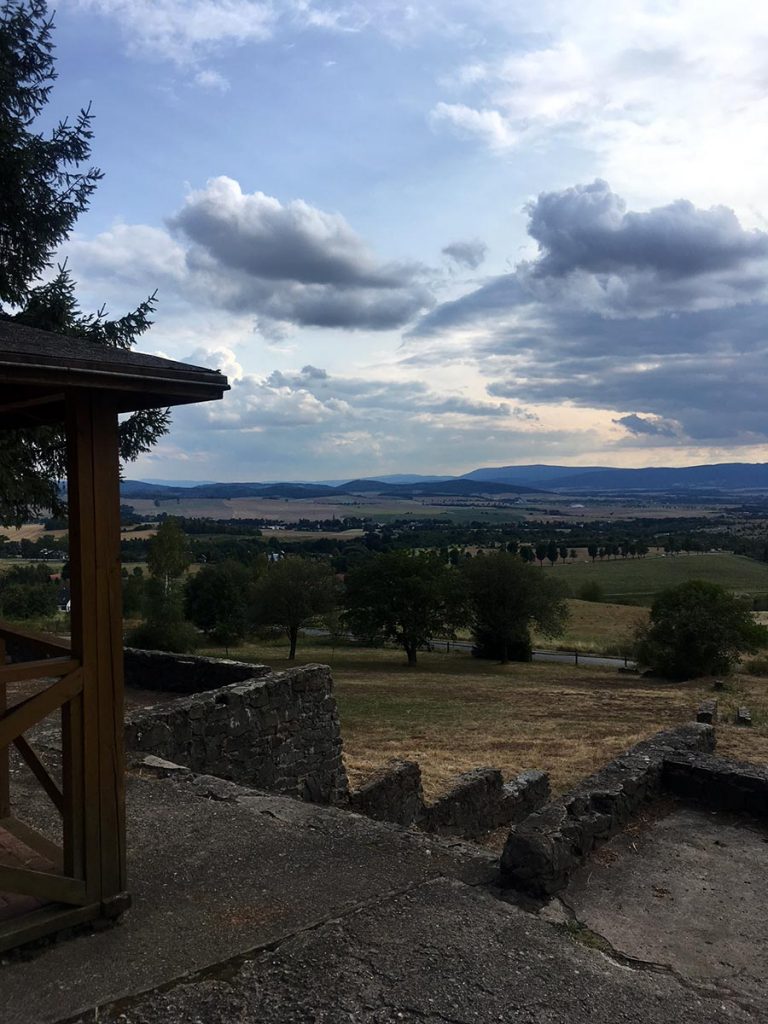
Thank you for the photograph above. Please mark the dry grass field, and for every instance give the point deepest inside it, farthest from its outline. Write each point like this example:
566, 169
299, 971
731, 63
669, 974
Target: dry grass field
597, 627
287, 510
452, 713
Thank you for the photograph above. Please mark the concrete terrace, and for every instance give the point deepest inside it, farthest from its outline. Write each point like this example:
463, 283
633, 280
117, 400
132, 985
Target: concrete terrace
254, 907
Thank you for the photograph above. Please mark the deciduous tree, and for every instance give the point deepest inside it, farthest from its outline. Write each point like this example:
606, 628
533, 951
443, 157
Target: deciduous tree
404, 597
292, 592
219, 600
696, 629
506, 598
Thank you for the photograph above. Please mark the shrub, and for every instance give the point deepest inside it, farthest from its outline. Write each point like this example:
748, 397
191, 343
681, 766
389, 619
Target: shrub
177, 637
591, 591
757, 666
698, 629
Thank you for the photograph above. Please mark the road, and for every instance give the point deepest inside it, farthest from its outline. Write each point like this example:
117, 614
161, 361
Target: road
558, 657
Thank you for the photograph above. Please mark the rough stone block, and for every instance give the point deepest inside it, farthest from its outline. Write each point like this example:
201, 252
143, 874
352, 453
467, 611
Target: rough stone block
542, 850
707, 711
393, 793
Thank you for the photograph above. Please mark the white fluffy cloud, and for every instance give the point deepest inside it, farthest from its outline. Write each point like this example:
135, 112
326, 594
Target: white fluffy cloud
659, 96
183, 30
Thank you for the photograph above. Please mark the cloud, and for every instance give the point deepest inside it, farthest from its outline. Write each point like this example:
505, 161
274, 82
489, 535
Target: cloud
312, 423
292, 262
488, 125
628, 89
644, 425
588, 227
286, 264
596, 256
657, 316
466, 254
183, 30
212, 80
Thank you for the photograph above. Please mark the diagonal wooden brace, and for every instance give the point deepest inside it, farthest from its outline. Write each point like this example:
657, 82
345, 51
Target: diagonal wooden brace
42, 885
23, 716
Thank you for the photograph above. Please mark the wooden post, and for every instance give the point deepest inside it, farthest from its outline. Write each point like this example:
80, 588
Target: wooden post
5, 791
93, 778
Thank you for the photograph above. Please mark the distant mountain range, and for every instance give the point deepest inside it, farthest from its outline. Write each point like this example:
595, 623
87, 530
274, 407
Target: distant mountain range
453, 486
491, 481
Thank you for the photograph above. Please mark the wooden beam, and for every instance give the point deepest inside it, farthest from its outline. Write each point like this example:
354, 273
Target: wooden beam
5, 774
19, 930
29, 403
34, 840
22, 716
42, 885
35, 641
46, 668
40, 772
96, 619
73, 786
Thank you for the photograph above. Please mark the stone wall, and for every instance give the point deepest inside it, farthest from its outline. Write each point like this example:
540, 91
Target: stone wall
543, 850
719, 783
478, 802
181, 673
392, 793
275, 731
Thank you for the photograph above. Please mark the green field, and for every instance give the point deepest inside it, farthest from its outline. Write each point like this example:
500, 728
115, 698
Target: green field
637, 580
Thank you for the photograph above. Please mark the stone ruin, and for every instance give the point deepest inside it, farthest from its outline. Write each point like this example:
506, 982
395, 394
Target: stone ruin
279, 731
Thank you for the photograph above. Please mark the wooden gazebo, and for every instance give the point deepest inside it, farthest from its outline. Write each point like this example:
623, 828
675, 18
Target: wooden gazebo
50, 379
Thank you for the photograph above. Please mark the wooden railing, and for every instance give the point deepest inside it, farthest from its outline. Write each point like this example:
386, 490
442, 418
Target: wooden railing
64, 684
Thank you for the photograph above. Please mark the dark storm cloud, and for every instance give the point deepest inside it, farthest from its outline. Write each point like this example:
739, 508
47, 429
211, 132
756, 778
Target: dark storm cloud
588, 227
466, 254
291, 263
641, 425
596, 256
660, 316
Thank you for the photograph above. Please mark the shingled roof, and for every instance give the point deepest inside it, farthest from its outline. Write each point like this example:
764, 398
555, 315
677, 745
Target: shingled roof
37, 367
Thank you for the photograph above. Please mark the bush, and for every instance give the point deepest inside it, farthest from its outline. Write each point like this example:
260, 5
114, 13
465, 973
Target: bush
698, 629
757, 666
489, 646
177, 637
506, 597
591, 591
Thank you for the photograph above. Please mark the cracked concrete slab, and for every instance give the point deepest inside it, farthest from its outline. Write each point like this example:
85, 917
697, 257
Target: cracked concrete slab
443, 953
216, 870
684, 889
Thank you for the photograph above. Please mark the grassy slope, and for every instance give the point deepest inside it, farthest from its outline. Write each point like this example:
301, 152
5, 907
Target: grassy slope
453, 713
598, 628
639, 579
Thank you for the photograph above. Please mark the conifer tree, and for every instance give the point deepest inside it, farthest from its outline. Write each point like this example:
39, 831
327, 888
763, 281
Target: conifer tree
46, 185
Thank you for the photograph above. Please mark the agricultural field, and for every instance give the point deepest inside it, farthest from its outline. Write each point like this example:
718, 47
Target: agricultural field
637, 580
289, 510
597, 628
544, 509
452, 713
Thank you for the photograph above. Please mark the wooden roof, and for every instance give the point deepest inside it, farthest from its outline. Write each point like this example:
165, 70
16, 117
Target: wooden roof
38, 367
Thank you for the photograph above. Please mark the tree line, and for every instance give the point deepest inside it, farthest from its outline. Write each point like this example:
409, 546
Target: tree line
407, 598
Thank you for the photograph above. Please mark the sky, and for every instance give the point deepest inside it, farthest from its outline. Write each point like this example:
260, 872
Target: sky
425, 237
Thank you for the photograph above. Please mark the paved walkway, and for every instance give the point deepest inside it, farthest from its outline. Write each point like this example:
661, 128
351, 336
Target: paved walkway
685, 892
253, 908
